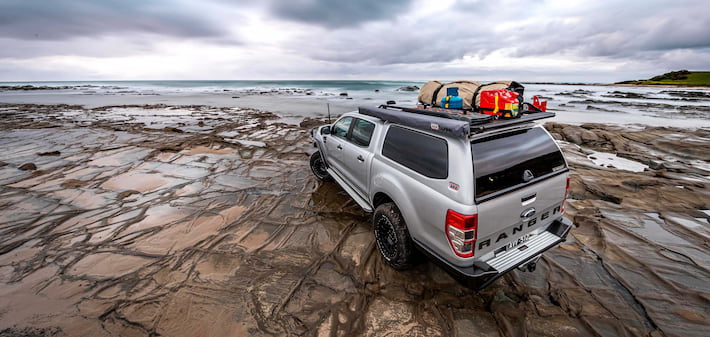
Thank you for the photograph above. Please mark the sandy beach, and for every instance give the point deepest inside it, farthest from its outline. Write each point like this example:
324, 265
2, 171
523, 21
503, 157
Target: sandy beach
204, 220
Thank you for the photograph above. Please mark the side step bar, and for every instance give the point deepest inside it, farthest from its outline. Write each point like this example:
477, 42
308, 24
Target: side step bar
350, 191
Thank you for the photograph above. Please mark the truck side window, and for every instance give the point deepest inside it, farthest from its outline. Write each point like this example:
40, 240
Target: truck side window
425, 154
340, 129
362, 132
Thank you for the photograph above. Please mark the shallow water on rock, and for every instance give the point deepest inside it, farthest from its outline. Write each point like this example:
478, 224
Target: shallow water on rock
611, 160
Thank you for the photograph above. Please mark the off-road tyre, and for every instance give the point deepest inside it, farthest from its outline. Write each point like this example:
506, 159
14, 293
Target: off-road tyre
318, 167
392, 237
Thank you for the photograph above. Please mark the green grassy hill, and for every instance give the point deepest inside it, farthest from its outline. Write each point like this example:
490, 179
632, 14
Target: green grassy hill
681, 77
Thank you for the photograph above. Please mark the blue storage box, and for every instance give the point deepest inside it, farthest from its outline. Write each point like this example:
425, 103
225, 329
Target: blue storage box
452, 99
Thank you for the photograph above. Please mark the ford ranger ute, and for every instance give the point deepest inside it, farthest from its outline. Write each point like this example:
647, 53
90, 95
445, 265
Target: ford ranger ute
480, 197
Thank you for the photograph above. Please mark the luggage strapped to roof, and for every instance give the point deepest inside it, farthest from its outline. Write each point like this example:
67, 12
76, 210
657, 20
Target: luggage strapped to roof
431, 92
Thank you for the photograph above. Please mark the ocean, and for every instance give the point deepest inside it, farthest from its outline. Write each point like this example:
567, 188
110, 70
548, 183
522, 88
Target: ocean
294, 100
207, 85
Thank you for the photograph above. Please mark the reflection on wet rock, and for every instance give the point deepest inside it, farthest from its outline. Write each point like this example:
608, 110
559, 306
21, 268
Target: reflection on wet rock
132, 228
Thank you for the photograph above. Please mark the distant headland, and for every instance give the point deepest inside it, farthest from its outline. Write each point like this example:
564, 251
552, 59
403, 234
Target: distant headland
675, 78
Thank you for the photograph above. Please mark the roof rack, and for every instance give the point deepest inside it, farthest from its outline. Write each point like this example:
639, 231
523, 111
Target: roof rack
457, 124
472, 118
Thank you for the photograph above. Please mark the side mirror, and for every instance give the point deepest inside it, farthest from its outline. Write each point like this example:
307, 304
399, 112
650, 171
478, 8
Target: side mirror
325, 130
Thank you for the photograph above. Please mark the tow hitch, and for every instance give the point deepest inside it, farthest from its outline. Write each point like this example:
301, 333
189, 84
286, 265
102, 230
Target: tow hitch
530, 266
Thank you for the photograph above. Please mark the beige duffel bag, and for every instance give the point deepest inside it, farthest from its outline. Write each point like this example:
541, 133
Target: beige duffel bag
432, 92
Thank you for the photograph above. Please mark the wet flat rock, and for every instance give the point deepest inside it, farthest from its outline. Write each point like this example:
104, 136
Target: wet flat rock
131, 228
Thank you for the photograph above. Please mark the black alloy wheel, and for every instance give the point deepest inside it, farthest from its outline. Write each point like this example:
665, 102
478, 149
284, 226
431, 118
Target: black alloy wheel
392, 237
318, 167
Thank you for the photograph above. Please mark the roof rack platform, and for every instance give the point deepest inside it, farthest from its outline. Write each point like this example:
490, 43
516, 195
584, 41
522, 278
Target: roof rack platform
456, 123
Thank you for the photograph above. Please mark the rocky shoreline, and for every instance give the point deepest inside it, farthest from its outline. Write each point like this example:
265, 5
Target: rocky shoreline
187, 220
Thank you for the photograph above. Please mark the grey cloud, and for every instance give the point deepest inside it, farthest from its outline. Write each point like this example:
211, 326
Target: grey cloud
613, 30
435, 40
675, 33
87, 47
60, 20
649, 35
339, 13
621, 30
387, 51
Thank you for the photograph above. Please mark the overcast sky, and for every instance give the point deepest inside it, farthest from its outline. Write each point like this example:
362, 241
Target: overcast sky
535, 40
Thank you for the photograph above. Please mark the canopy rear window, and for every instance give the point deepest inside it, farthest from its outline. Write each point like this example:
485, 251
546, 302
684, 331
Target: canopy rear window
511, 159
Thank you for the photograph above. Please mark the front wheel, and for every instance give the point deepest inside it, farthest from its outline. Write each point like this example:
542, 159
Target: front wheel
392, 237
318, 167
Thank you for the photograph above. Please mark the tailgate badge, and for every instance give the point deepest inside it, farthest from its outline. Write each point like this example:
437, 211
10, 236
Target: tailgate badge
528, 213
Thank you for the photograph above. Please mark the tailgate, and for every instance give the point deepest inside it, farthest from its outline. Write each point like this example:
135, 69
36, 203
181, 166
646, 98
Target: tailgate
502, 222
520, 187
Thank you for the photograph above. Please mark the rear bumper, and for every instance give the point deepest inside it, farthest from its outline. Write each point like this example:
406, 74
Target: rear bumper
483, 273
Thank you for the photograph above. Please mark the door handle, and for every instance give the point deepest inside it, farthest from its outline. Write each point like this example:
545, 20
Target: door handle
360, 158
529, 199
340, 147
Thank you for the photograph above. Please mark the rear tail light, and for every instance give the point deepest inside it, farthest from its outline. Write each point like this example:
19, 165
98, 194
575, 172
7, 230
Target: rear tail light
565, 198
461, 232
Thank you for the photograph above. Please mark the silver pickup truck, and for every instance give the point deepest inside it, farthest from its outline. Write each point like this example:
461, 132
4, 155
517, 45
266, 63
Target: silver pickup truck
479, 197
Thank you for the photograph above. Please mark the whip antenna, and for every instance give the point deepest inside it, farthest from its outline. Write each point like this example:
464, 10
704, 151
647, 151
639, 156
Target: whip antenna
328, 104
